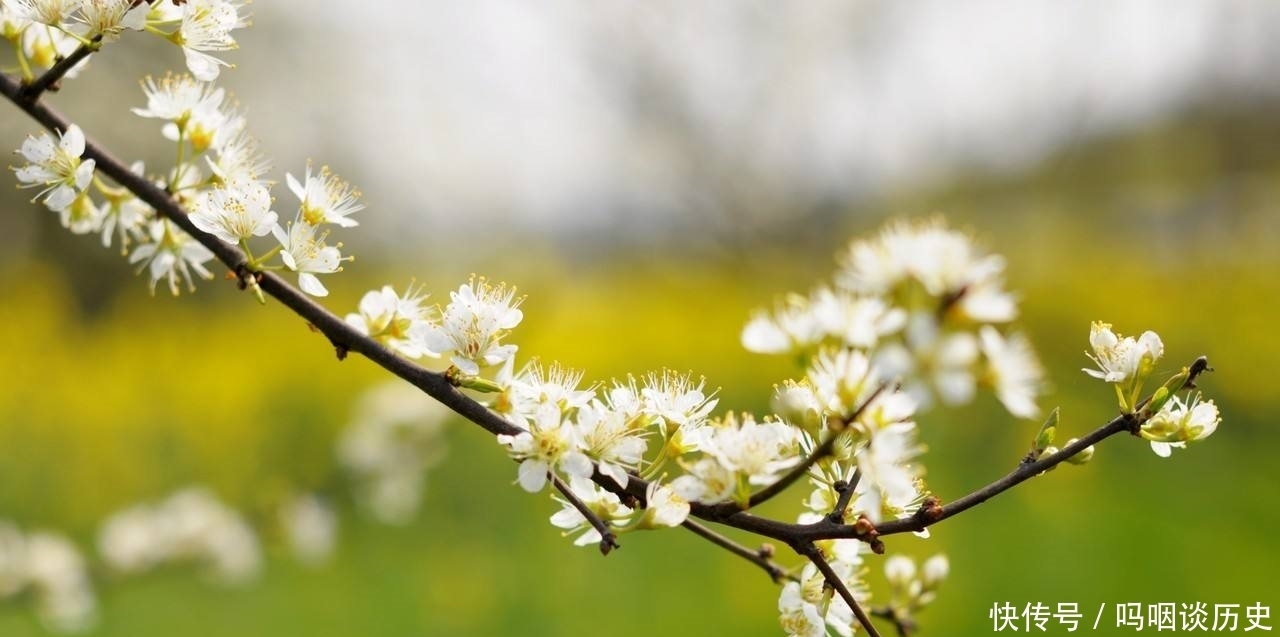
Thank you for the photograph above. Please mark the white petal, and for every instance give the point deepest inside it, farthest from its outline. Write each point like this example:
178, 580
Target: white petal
73, 141
532, 475
311, 285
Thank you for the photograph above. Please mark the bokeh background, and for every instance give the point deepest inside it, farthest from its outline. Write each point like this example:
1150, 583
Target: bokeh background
648, 174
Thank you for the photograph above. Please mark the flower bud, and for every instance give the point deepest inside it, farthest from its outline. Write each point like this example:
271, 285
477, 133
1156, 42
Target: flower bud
935, 570
900, 570
1083, 457
1044, 437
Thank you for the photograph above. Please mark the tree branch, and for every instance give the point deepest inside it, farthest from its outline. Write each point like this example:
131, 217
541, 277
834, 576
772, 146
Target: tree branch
929, 515
902, 625
845, 491
833, 579
608, 541
760, 557
32, 92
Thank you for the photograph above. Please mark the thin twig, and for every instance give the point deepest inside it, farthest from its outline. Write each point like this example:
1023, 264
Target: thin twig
845, 491
758, 557
608, 541
32, 92
928, 516
833, 579
902, 625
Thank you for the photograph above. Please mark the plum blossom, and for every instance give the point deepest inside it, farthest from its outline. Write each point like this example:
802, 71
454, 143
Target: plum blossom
1013, 370
172, 255
234, 213
1121, 360
325, 198
305, 252
551, 442
392, 319
1180, 422
55, 167
605, 505
472, 326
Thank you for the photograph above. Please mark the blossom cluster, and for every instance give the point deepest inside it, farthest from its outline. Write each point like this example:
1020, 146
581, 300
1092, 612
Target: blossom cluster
220, 176
469, 329
393, 439
49, 568
46, 31
1127, 362
926, 305
190, 526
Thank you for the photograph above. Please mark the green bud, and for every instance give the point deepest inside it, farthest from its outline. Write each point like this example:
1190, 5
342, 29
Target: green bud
1084, 456
478, 384
1044, 437
1162, 395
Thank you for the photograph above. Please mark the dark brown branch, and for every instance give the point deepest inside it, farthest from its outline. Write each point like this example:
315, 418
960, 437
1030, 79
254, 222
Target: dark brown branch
608, 541
760, 557
833, 580
844, 491
31, 92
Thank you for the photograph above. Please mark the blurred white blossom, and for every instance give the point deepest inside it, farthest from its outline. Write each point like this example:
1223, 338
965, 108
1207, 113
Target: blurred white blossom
190, 526
310, 526
395, 435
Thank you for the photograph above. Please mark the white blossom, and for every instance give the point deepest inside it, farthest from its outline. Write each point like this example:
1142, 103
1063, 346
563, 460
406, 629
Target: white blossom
1179, 422
110, 17
798, 617
234, 213
305, 252
664, 507
551, 442
842, 380
311, 527
605, 505
608, 439
206, 26
1121, 360
56, 167
325, 198
393, 438
472, 326
890, 486
1014, 371
172, 255
395, 320
676, 401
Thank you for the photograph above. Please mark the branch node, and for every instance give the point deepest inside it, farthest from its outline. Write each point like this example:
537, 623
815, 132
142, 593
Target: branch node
864, 527
452, 375
607, 543
766, 551
1197, 367
877, 545
930, 510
